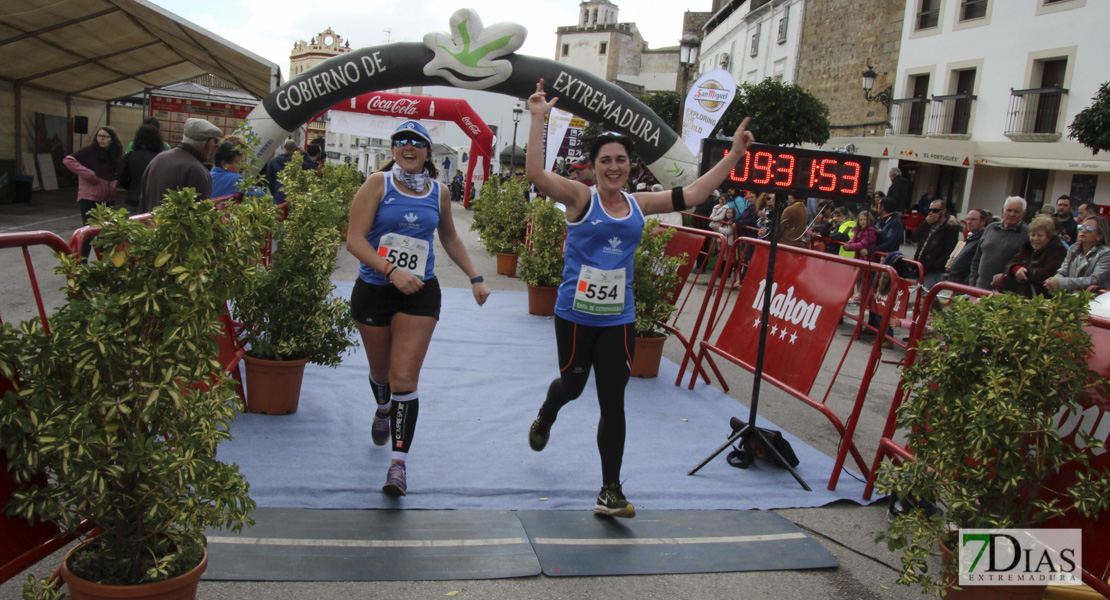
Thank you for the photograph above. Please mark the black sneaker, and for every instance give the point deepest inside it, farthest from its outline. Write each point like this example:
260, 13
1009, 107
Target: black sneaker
539, 433
611, 502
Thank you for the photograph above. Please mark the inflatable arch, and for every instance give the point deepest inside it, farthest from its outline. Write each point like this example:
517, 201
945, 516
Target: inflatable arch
478, 58
441, 109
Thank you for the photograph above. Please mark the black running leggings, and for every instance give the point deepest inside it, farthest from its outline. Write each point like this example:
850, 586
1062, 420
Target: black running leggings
609, 350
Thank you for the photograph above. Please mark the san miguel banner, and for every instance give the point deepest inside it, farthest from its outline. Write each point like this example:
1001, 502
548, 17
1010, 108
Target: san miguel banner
705, 103
474, 57
808, 297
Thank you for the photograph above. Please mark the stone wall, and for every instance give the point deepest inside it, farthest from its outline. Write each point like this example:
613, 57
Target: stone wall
840, 38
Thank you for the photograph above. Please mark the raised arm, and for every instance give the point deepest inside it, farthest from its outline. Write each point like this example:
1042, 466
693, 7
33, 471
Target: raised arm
697, 192
573, 194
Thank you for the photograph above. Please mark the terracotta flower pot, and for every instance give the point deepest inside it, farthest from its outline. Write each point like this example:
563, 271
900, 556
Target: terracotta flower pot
506, 264
182, 587
649, 352
541, 300
273, 386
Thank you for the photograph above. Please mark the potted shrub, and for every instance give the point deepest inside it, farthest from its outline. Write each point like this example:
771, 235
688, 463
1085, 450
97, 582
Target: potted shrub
979, 418
288, 313
501, 218
654, 278
116, 415
333, 185
541, 264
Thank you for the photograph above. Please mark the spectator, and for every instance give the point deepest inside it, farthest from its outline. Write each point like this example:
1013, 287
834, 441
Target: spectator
864, 236
890, 229
725, 227
156, 125
1001, 241
1087, 210
876, 201
276, 164
841, 231
959, 268
899, 190
1039, 258
1088, 260
582, 170
96, 166
1065, 223
146, 145
935, 238
225, 173
181, 167
755, 217
926, 201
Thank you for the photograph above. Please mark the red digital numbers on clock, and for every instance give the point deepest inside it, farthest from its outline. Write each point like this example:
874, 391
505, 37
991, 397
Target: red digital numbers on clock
792, 170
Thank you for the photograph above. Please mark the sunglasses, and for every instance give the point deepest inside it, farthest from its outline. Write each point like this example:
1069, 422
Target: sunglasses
1087, 228
400, 143
935, 210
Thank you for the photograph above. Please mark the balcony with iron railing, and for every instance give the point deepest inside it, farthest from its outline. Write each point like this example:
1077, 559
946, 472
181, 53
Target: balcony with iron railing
1035, 115
908, 116
951, 116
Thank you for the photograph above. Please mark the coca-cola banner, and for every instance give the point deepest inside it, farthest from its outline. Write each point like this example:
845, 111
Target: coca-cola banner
472, 56
808, 297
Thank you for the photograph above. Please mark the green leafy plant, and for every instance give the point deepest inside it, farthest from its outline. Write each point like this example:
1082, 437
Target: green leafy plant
542, 263
501, 215
653, 281
979, 418
1091, 127
116, 415
333, 187
287, 309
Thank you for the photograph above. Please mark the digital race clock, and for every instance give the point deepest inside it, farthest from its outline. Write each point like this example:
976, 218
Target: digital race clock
796, 171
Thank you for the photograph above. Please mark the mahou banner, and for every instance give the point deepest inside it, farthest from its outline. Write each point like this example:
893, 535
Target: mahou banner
807, 299
705, 103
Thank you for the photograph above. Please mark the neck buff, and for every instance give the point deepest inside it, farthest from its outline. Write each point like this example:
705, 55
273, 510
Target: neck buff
417, 182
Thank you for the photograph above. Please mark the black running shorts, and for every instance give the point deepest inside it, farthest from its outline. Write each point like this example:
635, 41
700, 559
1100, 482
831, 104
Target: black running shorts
375, 305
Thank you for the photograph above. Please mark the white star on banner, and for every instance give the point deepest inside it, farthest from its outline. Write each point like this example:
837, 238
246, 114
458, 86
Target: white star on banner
793, 337
756, 324
782, 333
774, 329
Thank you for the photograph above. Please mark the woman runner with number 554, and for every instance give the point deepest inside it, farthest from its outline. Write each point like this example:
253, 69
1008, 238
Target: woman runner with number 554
595, 311
396, 300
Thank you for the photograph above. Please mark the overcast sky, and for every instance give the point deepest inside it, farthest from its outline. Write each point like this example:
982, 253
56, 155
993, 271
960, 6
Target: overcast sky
269, 28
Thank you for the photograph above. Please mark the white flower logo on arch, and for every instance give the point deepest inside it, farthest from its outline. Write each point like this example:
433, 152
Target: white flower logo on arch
467, 55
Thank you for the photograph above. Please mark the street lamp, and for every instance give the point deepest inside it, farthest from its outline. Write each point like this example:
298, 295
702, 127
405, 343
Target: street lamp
883, 97
517, 111
688, 47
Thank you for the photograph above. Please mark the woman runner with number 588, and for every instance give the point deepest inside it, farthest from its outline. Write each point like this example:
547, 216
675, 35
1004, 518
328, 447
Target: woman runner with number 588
396, 299
594, 318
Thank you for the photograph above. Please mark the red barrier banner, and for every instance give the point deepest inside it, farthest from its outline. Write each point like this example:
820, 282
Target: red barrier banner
1092, 419
807, 300
901, 299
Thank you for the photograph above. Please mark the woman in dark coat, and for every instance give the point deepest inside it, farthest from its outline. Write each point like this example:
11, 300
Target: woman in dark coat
146, 145
1038, 260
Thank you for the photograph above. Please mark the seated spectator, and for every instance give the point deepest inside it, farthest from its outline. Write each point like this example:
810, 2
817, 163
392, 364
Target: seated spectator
1087, 210
1001, 241
959, 262
1088, 261
225, 173
1039, 258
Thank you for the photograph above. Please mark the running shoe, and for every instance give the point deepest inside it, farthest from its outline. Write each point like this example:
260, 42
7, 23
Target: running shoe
539, 433
395, 480
379, 431
611, 502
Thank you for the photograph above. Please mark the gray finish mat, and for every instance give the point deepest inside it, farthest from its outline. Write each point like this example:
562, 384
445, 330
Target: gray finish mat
670, 541
434, 545
373, 545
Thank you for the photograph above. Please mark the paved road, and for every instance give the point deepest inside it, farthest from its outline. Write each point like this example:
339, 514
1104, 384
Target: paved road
845, 529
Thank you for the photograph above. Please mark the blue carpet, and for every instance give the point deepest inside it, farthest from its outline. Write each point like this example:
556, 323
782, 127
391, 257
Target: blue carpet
485, 375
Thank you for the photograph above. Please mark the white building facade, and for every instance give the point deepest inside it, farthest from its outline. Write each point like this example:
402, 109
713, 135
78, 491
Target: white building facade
983, 94
754, 40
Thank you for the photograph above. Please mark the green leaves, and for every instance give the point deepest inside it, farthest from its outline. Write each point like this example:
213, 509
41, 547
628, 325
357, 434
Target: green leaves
542, 263
1092, 125
653, 281
990, 380
501, 215
782, 114
109, 409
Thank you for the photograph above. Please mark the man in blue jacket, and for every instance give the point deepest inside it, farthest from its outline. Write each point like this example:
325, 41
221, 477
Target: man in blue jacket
891, 229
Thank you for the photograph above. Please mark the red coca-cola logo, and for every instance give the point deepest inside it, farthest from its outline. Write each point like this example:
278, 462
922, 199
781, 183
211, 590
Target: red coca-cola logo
400, 106
471, 126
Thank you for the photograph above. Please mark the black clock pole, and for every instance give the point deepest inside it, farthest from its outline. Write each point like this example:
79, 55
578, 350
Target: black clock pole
748, 434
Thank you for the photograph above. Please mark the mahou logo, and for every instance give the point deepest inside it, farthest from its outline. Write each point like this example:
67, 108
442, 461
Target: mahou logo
400, 106
787, 307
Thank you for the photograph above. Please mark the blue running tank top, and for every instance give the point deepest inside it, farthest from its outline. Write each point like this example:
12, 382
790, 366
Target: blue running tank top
403, 215
600, 253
